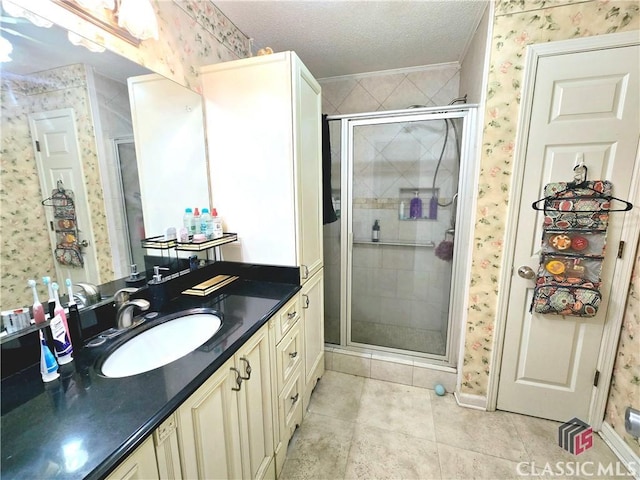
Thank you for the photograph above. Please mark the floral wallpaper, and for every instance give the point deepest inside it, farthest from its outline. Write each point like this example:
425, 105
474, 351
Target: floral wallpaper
625, 387
517, 23
26, 250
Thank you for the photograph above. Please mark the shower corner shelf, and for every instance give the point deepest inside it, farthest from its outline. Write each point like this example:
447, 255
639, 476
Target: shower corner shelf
405, 194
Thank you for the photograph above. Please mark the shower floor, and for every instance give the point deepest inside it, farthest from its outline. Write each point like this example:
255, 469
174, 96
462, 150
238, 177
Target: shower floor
394, 336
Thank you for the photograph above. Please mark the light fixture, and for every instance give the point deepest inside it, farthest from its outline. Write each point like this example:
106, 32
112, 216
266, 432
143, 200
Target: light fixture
129, 20
83, 42
138, 17
97, 5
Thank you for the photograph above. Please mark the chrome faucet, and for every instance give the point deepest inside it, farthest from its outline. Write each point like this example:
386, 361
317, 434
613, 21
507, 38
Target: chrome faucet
124, 316
122, 296
91, 294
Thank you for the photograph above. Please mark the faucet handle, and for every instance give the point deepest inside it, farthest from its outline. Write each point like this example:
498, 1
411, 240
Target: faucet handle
125, 312
122, 295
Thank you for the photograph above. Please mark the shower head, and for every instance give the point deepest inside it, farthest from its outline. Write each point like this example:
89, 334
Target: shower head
462, 99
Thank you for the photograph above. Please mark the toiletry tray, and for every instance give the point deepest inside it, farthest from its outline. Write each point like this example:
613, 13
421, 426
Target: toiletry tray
160, 243
206, 244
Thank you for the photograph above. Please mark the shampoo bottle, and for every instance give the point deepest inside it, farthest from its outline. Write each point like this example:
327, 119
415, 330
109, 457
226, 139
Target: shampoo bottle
60, 331
433, 208
375, 231
38, 309
48, 364
415, 207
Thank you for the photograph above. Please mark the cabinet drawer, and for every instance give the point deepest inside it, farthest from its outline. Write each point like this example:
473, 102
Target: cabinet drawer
290, 406
288, 315
288, 355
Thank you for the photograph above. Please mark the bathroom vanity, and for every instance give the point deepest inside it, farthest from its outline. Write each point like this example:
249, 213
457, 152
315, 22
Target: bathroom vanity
224, 410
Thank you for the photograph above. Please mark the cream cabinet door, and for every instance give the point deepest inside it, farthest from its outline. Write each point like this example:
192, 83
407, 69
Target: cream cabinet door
208, 429
308, 161
274, 101
140, 465
165, 439
255, 406
312, 294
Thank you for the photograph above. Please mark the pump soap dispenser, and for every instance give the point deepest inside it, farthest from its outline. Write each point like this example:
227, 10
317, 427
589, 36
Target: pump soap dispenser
157, 289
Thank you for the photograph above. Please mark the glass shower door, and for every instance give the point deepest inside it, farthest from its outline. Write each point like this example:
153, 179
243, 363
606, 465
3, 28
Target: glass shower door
403, 185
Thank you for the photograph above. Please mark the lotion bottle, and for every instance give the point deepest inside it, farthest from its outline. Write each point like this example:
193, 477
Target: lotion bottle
217, 224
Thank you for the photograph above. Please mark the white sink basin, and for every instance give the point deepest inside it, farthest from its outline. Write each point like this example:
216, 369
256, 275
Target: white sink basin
161, 344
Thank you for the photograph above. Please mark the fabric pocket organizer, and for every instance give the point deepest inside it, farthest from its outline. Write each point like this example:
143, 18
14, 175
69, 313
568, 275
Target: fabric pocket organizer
566, 300
573, 244
568, 285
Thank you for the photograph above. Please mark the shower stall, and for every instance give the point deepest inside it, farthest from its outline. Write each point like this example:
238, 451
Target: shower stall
395, 258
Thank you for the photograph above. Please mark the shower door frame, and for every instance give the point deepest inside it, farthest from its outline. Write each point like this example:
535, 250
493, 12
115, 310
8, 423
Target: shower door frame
467, 187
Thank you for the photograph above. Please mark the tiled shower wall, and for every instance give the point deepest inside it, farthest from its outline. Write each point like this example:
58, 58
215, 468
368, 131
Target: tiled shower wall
399, 286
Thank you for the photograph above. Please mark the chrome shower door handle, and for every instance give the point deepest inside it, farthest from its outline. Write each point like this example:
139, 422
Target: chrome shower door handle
526, 272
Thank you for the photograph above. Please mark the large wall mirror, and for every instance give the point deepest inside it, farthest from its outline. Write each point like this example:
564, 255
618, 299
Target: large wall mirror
68, 125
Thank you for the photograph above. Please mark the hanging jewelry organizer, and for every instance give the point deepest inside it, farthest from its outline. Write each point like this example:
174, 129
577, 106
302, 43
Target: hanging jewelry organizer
576, 216
65, 225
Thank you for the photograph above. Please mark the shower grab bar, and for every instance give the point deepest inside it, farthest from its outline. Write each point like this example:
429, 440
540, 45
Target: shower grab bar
395, 244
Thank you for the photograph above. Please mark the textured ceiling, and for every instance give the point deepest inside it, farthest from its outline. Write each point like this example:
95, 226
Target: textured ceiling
340, 37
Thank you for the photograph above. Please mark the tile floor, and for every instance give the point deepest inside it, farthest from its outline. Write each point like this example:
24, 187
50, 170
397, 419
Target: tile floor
361, 428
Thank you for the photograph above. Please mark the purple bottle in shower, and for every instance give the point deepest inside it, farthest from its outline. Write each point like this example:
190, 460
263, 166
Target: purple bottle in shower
415, 207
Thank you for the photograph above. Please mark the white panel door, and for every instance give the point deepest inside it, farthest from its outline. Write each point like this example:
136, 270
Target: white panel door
584, 105
58, 158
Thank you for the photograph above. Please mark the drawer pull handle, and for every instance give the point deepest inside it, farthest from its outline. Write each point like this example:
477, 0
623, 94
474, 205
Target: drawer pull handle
294, 399
306, 301
293, 354
290, 315
238, 380
247, 369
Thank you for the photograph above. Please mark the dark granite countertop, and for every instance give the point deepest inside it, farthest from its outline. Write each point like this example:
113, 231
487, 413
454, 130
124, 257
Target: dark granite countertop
83, 424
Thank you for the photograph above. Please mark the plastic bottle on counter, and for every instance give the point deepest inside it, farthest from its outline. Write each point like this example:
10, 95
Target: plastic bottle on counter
187, 221
206, 224
196, 221
217, 224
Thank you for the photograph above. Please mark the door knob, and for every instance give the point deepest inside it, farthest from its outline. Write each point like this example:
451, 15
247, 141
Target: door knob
84, 243
526, 272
